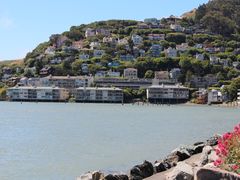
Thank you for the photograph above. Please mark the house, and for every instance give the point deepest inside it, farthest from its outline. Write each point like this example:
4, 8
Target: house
201, 96
156, 37
25, 93
113, 74
177, 27
7, 71
98, 94
171, 52
130, 73
100, 74
84, 68
142, 52
211, 79
200, 57
127, 57
236, 64
167, 94
214, 60
155, 50
46, 71
84, 56
123, 83
175, 73
182, 47
137, 40
225, 62
50, 50
122, 41
215, 96
143, 26
198, 46
203, 82
98, 53
161, 75
56, 61
90, 32
113, 64
110, 40
94, 45
77, 44
103, 32
68, 82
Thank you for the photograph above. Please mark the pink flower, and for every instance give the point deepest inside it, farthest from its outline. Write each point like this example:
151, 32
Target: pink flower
235, 167
218, 162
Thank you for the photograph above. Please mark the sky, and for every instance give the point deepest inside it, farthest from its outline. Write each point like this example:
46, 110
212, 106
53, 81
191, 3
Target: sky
26, 23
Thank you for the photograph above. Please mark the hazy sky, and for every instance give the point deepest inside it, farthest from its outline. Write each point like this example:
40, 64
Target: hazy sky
26, 23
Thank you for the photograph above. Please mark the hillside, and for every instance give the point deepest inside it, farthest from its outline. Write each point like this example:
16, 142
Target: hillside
220, 16
203, 43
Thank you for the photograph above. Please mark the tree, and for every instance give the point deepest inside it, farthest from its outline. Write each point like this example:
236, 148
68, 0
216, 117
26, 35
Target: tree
149, 74
178, 38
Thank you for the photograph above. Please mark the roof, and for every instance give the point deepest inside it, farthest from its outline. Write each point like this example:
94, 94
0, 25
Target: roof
168, 86
100, 88
31, 87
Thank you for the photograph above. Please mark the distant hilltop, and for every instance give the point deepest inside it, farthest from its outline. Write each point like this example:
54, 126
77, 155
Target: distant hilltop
200, 44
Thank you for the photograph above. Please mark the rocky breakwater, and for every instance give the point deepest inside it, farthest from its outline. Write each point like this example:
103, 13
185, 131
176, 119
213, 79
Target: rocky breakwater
192, 162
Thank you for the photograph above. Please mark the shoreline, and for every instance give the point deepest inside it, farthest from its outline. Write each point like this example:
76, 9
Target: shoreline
190, 162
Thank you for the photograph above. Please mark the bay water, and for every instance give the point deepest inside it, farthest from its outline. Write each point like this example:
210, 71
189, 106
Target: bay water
58, 141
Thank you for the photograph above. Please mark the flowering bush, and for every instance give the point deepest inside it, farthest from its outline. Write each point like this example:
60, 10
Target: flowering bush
228, 151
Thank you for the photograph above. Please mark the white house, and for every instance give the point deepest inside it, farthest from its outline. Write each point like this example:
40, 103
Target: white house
171, 52
167, 94
25, 93
94, 45
90, 32
137, 40
97, 94
130, 73
215, 96
177, 27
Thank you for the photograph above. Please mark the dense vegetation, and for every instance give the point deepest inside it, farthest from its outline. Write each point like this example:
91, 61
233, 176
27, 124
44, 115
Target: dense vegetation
214, 25
220, 16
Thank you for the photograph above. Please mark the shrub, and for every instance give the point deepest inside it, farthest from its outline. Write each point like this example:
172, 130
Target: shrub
228, 150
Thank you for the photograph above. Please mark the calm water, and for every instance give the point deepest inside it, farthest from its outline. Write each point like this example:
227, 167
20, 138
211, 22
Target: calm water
61, 141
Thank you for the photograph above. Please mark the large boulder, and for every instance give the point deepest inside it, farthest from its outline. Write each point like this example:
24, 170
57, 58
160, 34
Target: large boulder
212, 174
142, 171
179, 154
213, 141
204, 156
198, 147
116, 177
96, 175
182, 171
162, 166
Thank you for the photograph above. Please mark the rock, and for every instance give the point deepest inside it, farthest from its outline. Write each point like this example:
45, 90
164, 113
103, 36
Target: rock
209, 165
198, 143
182, 171
162, 166
212, 174
96, 175
141, 171
116, 177
212, 156
213, 141
204, 157
198, 148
